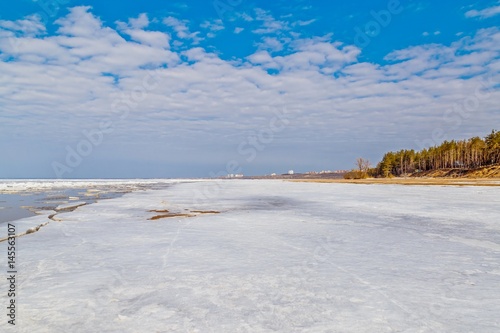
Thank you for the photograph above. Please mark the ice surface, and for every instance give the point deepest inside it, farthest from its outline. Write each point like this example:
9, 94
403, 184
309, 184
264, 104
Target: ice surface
30, 185
280, 257
70, 205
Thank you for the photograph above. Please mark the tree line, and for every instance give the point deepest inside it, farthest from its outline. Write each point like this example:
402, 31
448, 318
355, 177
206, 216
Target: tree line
460, 154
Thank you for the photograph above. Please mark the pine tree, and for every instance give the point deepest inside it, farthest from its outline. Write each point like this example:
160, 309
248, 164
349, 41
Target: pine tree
463, 154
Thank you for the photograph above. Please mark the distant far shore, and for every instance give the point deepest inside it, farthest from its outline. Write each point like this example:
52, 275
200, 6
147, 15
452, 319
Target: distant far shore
483, 176
411, 181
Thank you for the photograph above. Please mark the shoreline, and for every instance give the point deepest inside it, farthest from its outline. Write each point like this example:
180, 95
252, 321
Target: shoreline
410, 181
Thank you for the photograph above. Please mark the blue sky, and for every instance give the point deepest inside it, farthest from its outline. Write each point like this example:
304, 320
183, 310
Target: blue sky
194, 89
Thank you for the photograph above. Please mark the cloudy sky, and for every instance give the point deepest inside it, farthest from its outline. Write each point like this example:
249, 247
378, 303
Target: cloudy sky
102, 89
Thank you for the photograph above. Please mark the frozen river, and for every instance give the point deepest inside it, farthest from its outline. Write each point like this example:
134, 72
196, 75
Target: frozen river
264, 256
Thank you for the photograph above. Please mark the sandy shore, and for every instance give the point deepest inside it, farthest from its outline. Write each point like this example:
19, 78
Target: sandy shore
411, 181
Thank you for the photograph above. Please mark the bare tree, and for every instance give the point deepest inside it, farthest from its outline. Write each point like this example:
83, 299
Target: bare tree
363, 165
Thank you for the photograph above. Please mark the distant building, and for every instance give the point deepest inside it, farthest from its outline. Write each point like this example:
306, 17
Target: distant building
231, 175
291, 172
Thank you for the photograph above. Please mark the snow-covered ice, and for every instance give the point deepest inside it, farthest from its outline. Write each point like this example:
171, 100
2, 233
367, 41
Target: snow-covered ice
280, 257
34, 185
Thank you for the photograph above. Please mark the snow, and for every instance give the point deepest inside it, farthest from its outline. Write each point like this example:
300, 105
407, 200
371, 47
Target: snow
70, 205
280, 257
33, 185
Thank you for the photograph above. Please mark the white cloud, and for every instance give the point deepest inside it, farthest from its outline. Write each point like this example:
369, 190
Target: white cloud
54, 87
484, 13
333, 52
140, 22
245, 17
135, 29
269, 25
237, 30
263, 58
315, 54
181, 29
30, 26
215, 25
271, 43
305, 23
151, 38
435, 33
81, 23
